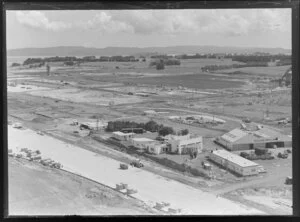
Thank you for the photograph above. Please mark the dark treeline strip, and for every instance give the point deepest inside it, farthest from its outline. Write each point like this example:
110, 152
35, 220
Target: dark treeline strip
74, 59
264, 58
221, 67
151, 126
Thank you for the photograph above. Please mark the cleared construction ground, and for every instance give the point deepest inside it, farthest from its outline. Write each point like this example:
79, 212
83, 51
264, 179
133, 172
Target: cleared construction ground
91, 92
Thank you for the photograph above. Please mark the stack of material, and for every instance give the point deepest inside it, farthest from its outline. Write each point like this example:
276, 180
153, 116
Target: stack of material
55, 165
123, 166
124, 185
130, 191
35, 156
121, 186
46, 162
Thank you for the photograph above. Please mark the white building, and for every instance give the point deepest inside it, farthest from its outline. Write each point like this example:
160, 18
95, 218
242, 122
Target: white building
185, 144
122, 136
142, 143
157, 148
235, 163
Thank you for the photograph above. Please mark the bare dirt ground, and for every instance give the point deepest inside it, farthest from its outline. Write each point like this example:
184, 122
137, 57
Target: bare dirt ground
91, 87
271, 199
38, 190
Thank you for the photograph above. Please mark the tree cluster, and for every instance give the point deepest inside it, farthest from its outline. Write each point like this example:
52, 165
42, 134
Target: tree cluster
15, 64
151, 126
183, 132
161, 63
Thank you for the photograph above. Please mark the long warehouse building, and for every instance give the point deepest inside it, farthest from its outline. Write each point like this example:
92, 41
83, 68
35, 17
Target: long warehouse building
235, 163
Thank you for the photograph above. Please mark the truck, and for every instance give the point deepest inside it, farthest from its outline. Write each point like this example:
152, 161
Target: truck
206, 165
136, 163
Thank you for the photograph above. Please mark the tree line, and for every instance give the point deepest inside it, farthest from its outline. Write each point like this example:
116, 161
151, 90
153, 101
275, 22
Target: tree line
72, 60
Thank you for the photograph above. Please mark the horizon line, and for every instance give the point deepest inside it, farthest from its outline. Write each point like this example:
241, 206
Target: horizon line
147, 47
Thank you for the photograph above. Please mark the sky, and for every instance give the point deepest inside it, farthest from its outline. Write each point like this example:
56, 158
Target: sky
146, 28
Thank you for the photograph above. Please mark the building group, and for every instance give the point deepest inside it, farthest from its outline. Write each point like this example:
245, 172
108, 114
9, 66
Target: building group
169, 144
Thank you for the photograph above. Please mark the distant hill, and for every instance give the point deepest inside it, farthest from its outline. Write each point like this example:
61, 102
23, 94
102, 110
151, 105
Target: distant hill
111, 51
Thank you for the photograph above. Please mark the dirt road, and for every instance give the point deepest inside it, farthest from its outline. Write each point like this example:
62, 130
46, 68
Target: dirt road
151, 188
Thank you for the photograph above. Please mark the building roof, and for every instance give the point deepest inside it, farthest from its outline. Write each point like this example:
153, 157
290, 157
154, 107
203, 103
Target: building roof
233, 158
122, 134
143, 140
190, 141
175, 137
244, 136
234, 135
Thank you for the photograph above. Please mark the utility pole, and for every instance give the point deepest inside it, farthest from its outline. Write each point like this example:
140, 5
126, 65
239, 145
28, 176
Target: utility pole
48, 69
97, 123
